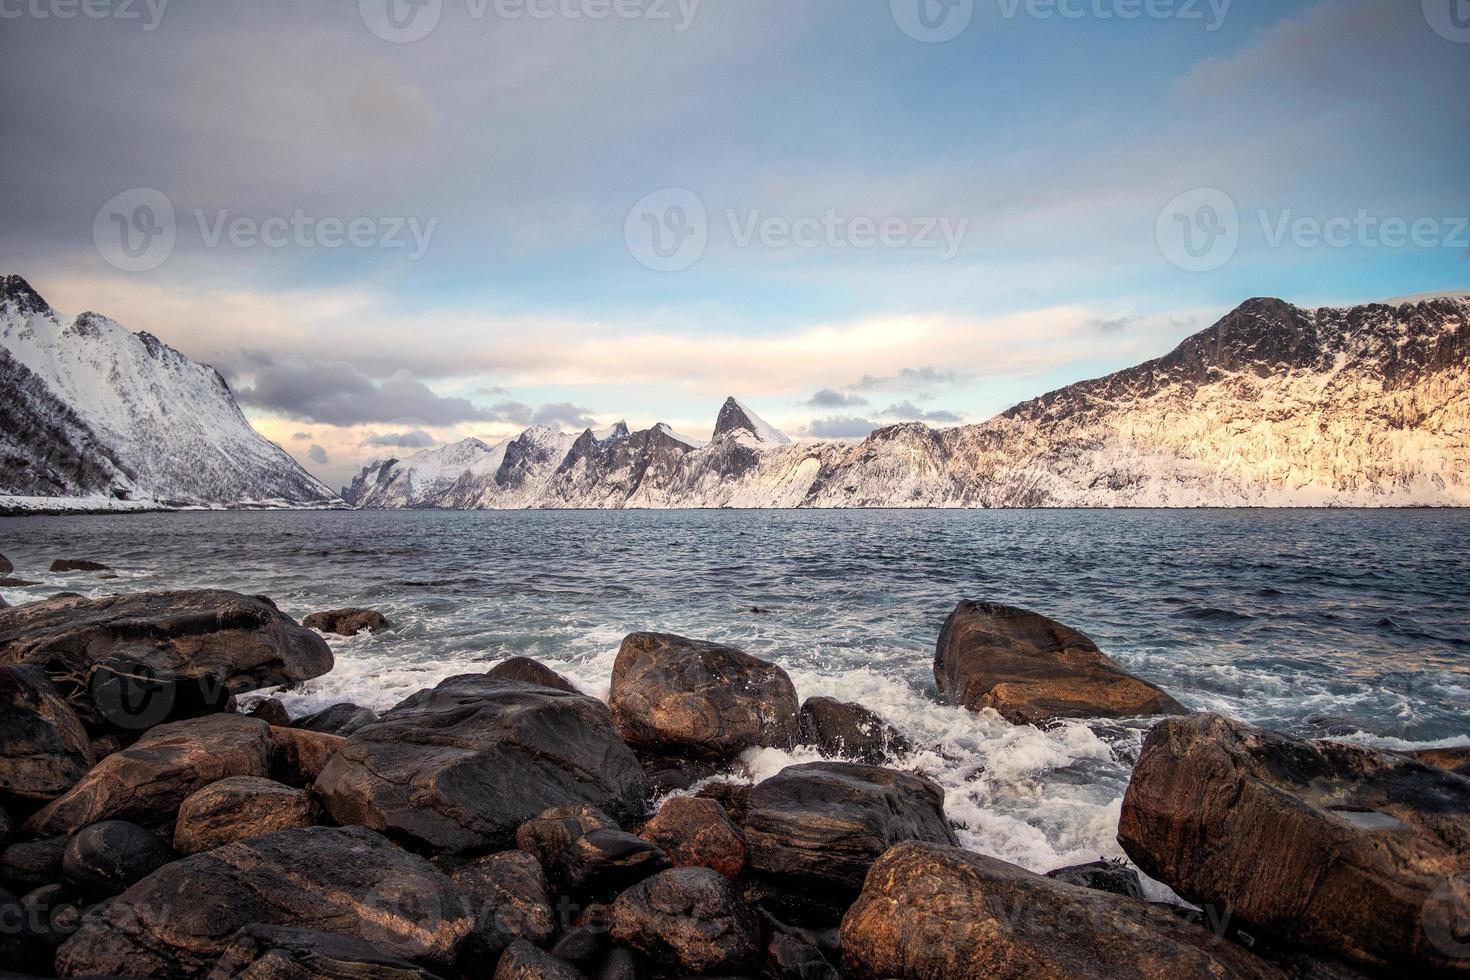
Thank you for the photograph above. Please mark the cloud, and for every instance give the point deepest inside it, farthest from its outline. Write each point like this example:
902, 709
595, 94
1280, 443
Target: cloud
911, 412
908, 378
340, 394
840, 428
1115, 324
828, 398
564, 413
415, 439
301, 437
318, 455
511, 411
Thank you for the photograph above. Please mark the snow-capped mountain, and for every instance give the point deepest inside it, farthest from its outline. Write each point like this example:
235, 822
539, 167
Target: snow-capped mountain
92, 411
1273, 406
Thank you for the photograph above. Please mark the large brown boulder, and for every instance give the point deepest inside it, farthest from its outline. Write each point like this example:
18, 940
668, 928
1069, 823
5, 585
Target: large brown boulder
547, 835
821, 826
260, 952
109, 857
238, 808
134, 661
678, 696
348, 622
849, 731
458, 768
697, 833
1031, 669
510, 899
44, 750
178, 921
531, 672
522, 961
930, 912
146, 782
301, 755
343, 718
690, 919
1357, 853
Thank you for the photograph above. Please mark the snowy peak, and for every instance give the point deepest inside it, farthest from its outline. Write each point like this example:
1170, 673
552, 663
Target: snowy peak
736, 417
17, 295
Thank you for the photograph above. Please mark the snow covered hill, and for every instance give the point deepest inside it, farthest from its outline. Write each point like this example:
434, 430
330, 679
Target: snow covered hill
1273, 406
92, 413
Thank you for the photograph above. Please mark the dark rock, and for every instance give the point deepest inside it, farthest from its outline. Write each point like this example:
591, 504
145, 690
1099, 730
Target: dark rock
50, 915
669, 774
110, 857
5, 566
25, 945
675, 696
178, 921
547, 835
134, 661
1104, 876
790, 957
601, 863
850, 731
339, 719
238, 808
696, 833
734, 797
77, 565
3, 603
33, 862
260, 952
15, 583
822, 825
529, 671
348, 622
44, 750
300, 755
584, 946
1360, 854
146, 782
6, 827
929, 912
620, 964
459, 768
271, 711
510, 899
522, 961
1031, 669
688, 918
1453, 759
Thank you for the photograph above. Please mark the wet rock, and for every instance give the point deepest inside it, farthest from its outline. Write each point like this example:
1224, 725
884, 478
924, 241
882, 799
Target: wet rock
790, 957
238, 808
696, 833
690, 919
620, 964
5, 566
547, 835
110, 857
271, 711
33, 862
1356, 853
77, 565
510, 899
300, 755
342, 719
134, 661
522, 961
1103, 876
146, 782
1031, 669
584, 946
181, 919
260, 952
821, 826
676, 696
459, 768
601, 863
529, 671
348, 622
44, 750
734, 797
929, 912
670, 774
1453, 759
3, 603
849, 731
16, 583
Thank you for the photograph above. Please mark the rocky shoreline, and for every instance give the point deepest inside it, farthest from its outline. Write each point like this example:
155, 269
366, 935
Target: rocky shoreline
505, 824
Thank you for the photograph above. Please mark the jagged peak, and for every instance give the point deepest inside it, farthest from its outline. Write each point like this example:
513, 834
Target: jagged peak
735, 416
15, 291
667, 430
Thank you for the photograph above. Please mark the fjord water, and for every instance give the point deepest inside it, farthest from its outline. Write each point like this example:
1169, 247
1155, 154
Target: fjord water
1353, 624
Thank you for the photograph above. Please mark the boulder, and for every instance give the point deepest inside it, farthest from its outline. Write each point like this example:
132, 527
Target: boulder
547, 835
510, 899
460, 767
696, 833
77, 565
15, 583
146, 782
601, 863
133, 661
300, 755
929, 912
529, 671
1360, 854
672, 774
49, 915
33, 862
690, 919
110, 857
271, 711
1104, 876
820, 826
261, 952
522, 961
5, 566
348, 622
238, 808
44, 749
849, 731
734, 797
179, 920
342, 719
676, 696
791, 957
1031, 669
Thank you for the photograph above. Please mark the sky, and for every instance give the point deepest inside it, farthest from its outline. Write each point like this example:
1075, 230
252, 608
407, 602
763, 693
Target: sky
393, 224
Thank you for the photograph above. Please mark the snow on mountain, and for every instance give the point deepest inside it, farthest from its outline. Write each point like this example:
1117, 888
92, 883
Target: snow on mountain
1273, 406
93, 409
